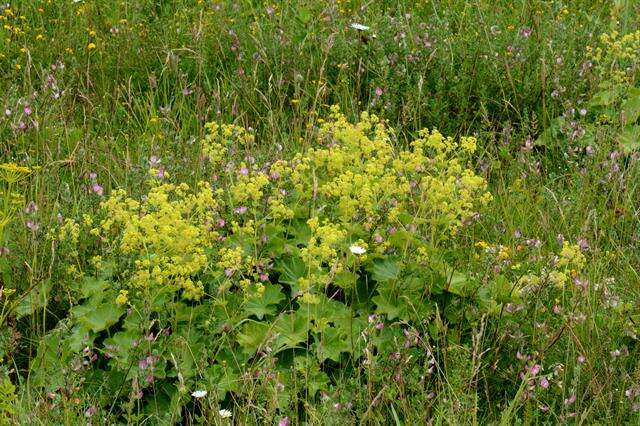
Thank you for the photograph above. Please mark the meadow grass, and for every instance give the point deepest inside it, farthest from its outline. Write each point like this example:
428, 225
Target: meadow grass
525, 308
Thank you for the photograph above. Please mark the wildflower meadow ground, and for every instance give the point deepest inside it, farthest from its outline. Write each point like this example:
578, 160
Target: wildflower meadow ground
309, 212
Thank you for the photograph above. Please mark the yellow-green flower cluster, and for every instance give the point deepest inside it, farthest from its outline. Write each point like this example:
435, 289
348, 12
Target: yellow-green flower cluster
249, 189
166, 234
569, 264
220, 138
361, 174
352, 178
323, 244
618, 57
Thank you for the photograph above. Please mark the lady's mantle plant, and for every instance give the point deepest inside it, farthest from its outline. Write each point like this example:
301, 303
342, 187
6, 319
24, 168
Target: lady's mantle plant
190, 286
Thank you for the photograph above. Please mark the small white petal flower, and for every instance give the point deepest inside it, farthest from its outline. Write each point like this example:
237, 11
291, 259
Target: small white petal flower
199, 394
359, 27
357, 249
225, 414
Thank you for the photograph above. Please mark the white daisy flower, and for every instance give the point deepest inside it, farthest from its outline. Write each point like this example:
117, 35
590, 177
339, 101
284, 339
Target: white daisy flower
359, 27
199, 393
225, 414
357, 249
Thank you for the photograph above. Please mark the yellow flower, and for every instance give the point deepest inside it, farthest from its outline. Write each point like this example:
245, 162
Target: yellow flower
166, 235
91, 46
122, 298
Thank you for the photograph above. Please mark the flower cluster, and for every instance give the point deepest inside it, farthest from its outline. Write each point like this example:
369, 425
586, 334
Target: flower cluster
222, 139
351, 186
165, 235
618, 57
564, 268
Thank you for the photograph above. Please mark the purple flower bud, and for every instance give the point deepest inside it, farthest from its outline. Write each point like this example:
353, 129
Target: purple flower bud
31, 208
544, 383
27, 110
583, 244
143, 364
535, 369
154, 161
525, 32
570, 400
97, 189
284, 421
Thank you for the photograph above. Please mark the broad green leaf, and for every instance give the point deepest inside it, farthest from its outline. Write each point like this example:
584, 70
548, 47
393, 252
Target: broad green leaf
629, 138
331, 343
603, 98
90, 286
36, 299
253, 336
223, 379
314, 378
552, 134
291, 330
119, 345
79, 338
345, 280
267, 303
384, 270
459, 285
631, 107
387, 303
100, 317
291, 269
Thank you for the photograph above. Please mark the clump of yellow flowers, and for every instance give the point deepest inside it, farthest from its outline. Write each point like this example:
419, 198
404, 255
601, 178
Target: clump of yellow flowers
164, 235
618, 56
352, 188
221, 138
567, 266
351, 185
